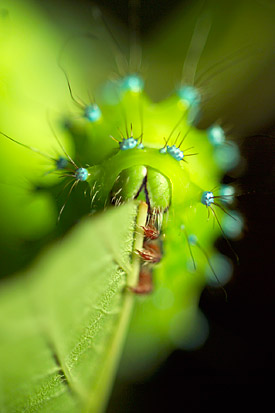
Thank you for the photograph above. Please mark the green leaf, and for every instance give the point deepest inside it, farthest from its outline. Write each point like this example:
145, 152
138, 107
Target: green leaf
63, 324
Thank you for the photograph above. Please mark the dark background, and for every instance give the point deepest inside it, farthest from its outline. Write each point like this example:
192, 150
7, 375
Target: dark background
233, 369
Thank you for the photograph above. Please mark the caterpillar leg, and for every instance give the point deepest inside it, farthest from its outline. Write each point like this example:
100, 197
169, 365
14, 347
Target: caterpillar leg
151, 252
145, 282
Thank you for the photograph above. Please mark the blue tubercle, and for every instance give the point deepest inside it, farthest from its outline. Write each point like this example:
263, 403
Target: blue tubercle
192, 239
223, 269
216, 135
92, 113
61, 163
192, 98
207, 198
140, 146
133, 83
163, 150
190, 95
81, 174
227, 193
175, 152
227, 155
128, 143
233, 224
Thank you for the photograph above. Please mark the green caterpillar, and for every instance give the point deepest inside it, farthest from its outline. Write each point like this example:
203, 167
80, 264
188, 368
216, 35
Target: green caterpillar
148, 166
152, 152
164, 161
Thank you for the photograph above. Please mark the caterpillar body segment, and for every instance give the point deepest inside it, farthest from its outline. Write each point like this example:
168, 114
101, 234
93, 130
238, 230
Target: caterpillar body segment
152, 152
